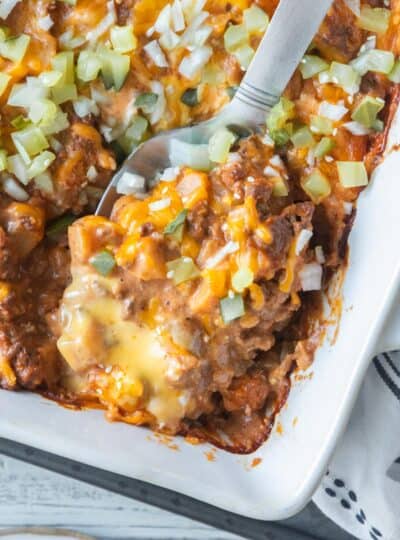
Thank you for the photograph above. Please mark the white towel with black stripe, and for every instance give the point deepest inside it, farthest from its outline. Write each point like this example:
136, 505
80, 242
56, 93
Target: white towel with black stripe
361, 490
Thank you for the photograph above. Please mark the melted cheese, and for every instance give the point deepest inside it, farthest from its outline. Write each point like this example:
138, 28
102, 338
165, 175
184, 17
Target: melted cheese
95, 334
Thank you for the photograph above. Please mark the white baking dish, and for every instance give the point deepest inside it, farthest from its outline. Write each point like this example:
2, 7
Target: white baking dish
296, 455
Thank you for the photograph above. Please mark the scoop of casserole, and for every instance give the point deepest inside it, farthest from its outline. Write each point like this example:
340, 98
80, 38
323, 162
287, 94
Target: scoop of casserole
179, 303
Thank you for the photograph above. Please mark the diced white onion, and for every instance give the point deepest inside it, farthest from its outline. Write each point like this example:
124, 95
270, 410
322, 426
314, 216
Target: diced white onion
310, 157
159, 108
188, 35
160, 205
163, 22
276, 161
45, 23
198, 5
130, 184
109, 20
369, 44
201, 35
184, 399
195, 61
219, 256
84, 106
178, 20
99, 95
355, 128
302, 240
234, 157
129, 113
6, 7
311, 277
69, 41
170, 174
331, 111
92, 173
324, 77
14, 190
270, 171
267, 140
169, 40
191, 8
107, 132
156, 54
150, 31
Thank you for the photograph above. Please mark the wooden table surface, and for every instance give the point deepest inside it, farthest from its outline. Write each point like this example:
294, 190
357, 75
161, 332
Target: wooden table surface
34, 497
30, 496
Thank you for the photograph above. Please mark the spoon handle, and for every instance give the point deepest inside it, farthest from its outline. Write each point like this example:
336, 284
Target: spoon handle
287, 38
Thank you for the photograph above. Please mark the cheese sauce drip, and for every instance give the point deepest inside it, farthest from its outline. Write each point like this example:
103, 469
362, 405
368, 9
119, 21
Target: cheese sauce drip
96, 334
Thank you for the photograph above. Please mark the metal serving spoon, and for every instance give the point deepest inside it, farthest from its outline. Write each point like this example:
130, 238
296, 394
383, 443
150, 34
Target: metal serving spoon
287, 38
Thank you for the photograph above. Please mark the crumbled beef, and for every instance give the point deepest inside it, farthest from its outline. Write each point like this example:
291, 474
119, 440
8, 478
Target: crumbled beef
197, 221
260, 190
282, 233
124, 11
247, 392
339, 37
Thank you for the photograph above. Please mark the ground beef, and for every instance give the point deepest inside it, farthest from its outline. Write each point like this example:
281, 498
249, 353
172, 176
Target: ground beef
8, 257
260, 190
27, 341
81, 149
32, 353
197, 220
339, 37
248, 392
124, 11
282, 233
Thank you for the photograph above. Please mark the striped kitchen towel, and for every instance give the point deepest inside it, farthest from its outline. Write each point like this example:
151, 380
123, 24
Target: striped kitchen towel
361, 489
